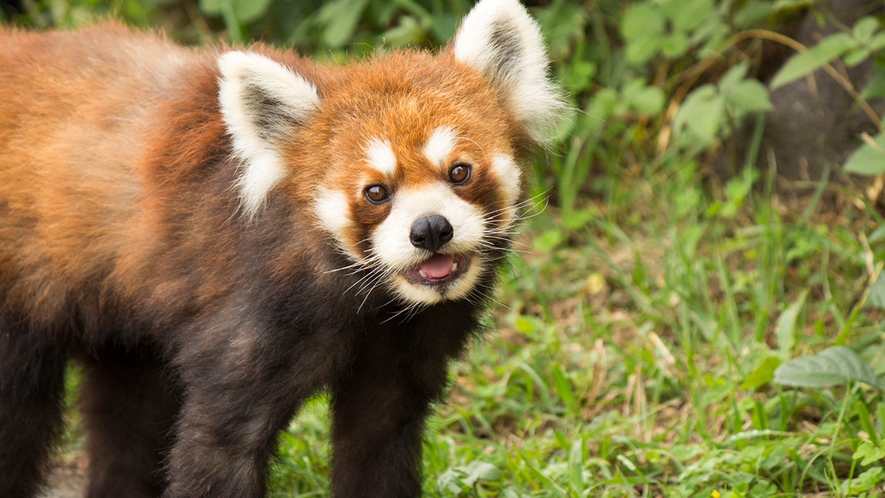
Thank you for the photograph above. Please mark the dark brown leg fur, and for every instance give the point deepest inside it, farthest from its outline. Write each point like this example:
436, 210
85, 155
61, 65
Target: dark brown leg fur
380, 407
31, 390
377, 426
129, 405
238, 396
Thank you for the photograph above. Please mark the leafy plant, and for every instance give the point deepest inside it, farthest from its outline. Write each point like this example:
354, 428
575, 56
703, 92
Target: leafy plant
864, 42
833, 366
669, 28
861, 44
869, 158
465, 478
712, 111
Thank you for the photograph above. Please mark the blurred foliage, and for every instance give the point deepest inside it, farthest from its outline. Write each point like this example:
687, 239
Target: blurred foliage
675, 70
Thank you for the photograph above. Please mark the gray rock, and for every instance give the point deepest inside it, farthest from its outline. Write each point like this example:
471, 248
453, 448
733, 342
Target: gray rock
813, 126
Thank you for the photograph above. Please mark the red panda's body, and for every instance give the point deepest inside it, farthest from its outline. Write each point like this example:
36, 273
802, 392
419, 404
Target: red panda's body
218, 236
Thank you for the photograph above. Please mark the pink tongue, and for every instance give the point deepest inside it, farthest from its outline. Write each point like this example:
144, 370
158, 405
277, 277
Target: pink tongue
438, 266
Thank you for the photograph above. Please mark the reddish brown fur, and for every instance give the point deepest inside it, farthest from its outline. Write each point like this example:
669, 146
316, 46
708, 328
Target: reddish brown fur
121, 245
386, 103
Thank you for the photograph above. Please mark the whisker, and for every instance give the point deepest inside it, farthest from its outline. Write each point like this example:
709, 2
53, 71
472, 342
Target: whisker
398, 313
378, 281
486, 157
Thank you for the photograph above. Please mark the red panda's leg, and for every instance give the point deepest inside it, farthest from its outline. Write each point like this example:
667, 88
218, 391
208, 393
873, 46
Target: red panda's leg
31, 389
230, 419
129, 405
379, 411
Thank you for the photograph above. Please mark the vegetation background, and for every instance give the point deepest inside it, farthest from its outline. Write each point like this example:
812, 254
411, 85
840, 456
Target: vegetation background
682, 316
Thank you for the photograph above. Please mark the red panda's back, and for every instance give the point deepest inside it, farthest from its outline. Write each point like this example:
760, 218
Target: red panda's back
75, 112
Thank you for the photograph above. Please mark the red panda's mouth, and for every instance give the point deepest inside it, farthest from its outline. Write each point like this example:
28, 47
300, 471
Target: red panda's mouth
438, 269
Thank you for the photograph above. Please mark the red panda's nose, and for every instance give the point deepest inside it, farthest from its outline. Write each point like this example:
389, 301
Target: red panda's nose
431, 232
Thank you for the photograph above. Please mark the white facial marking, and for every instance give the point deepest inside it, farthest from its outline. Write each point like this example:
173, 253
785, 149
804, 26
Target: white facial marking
381, 156
332, 210
440, 145
509, 177
391, 238
392, 246
248, 81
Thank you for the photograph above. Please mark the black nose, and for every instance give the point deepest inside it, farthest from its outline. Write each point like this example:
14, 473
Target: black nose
431, 232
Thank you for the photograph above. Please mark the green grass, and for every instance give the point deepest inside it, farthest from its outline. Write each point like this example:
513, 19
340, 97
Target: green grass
619, 351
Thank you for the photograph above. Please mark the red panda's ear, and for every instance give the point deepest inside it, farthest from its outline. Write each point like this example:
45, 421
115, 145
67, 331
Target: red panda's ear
502, 41
261, 101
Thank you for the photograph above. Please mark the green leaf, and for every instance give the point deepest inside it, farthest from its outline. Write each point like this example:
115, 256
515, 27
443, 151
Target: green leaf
762, 374
865, 28
526, 324
465, 477
876, 87
548, 240
877, 293
250, 10
602, 105
686, 15
674, 45
576, 464
868, 453
645, 100
734, 75
856, 56
340, 18
564, 388
864, 482
749, 96
579, 75
743, 95
833, 366
753, 14
868, 159
701, 114
709, 37
786, 325
737, 190
643, 48
212, 7
577, 219
479, 471
877, 42
814, 58
642, 20
642, 27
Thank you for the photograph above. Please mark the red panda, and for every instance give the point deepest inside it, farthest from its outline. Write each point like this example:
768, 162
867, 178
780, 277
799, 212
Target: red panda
217, 235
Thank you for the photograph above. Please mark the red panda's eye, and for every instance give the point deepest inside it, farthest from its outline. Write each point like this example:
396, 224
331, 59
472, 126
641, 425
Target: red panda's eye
459, 173
376, 194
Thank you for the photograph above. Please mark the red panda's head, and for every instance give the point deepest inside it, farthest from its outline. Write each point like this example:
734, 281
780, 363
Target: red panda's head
409, 162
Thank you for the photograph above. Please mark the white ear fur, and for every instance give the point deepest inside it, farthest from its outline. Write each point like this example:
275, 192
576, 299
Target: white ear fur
261, 101
501, 40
